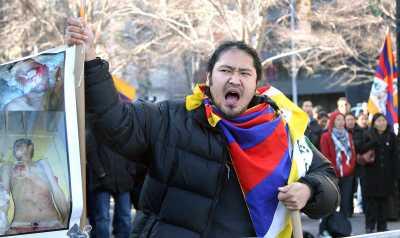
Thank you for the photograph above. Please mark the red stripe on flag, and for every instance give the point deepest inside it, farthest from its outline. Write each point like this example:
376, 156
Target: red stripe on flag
256, 163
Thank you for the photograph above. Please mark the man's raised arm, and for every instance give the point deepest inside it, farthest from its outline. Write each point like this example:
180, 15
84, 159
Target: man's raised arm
124, 126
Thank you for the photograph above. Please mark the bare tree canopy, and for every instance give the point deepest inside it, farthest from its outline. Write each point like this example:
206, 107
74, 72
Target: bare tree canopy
177, 35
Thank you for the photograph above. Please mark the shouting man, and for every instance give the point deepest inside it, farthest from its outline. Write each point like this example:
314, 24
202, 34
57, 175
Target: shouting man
214, 157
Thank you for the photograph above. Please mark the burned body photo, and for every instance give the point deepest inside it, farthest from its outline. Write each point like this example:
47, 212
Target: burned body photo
33, 84
39, 202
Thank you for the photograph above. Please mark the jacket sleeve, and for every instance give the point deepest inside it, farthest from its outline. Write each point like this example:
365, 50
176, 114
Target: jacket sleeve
321, 179
126, 127
92, 154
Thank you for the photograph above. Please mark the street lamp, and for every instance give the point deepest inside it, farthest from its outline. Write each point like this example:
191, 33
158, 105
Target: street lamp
293, 57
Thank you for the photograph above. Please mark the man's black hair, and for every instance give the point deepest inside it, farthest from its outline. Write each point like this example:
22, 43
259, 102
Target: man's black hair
322, 114
240, 45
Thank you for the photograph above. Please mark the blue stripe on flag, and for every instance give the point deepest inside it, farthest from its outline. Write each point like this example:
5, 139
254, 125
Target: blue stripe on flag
386, 61
379, 72
249, 137
389, 116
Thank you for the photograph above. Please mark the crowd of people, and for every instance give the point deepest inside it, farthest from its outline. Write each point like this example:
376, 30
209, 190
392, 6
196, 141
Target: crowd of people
362, 150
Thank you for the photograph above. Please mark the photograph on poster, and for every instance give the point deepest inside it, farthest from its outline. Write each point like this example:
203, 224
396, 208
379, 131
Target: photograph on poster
33, 84
35, 176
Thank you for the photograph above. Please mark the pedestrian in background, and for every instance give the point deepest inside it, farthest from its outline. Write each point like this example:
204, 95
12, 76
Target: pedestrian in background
350, 122
379, 173
360, 132
323, 119
343, 105
109, 175
314, 130
337, 145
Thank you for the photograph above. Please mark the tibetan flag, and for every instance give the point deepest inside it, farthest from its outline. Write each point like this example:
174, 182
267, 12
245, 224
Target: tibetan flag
126, 92
383, 96
268, 151
295, 116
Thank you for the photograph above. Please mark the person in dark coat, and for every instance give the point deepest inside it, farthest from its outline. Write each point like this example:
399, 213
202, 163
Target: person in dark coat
360, 132
380, 174
191, 188
350, 122
109, 175
323, 119
314, 130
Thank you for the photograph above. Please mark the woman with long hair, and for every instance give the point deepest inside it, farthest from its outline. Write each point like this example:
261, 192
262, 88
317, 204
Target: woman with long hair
379, 173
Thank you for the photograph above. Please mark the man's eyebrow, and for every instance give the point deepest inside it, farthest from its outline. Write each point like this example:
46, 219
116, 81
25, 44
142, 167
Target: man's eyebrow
226, 66
244, 69
232, 68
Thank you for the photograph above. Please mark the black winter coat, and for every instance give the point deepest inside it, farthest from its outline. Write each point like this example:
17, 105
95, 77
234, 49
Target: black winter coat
314, 132
380, 176
107, 170
359, 137
189, 161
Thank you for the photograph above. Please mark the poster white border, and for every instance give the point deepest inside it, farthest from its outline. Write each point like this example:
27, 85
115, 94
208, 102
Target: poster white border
75, 176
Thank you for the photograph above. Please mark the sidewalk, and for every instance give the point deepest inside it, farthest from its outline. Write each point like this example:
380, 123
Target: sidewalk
357, 223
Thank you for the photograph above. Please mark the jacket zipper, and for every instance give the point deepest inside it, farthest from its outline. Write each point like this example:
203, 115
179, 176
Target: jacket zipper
221, 183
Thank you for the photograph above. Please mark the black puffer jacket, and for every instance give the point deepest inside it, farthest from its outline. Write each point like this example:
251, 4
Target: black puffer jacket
189, 162
108, 170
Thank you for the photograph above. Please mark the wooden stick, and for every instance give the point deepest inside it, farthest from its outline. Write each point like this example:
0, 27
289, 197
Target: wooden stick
80, 105
82, 13
296, 224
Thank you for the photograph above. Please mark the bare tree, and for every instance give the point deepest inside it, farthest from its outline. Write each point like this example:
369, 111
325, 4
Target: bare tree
341, 37
344, 38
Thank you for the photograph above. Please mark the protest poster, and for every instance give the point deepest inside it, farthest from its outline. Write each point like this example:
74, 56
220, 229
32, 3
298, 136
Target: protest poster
41, 192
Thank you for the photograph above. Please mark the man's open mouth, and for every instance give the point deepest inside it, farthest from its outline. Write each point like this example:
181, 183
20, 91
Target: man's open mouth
232, 97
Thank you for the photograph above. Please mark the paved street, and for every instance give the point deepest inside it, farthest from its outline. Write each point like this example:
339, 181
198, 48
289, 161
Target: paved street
357, 222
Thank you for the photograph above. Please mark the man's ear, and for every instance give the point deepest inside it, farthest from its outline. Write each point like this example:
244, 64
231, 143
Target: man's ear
208, 80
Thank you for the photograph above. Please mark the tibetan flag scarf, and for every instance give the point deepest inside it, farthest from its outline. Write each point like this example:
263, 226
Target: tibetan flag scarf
126, 92
260, 146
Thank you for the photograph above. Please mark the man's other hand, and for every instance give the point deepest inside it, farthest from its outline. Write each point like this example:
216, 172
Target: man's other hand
294, 196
